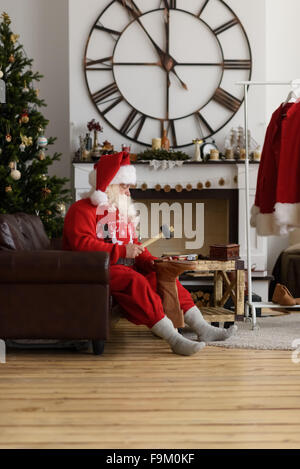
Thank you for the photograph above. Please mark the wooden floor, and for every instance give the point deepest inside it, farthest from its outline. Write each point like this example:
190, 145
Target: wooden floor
140, 395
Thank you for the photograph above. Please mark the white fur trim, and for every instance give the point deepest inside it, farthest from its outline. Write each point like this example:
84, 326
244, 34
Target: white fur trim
98, 198
284, 219
125, 175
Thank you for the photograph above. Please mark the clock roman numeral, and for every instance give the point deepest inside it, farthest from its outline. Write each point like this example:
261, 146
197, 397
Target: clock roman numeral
170, 4
131, 122
141, 123
201, 120
128, 121
224, 27
227, 100
131, 7
237, 64
89, 64
104, 93
115, 102
202, 8
107, 30
172, 131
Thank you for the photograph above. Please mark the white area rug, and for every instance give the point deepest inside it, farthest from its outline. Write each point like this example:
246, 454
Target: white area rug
274, 333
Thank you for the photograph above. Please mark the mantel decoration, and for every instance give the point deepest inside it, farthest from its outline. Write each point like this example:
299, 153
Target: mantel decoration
235, 145
162, 154
95, 127
197, 153
213, 50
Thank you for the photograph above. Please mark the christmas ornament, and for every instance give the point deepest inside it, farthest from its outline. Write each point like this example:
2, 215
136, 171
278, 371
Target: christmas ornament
37, 92
43, 177
6, 18
1, 74
8, 138
15, 175
42, 141
61, 208
14, 38
8, 189
11, 59
22, 147
46, 192
48, 212
27, 141
24, 119
25, 89
11, 165
41, 155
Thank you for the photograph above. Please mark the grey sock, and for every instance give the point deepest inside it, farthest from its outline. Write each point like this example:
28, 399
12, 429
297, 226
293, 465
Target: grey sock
179, 344
205, 332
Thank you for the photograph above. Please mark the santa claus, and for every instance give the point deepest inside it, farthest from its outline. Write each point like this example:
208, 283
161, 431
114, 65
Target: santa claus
105, 220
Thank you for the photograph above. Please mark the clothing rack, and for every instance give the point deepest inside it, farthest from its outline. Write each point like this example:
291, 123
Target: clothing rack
251, 305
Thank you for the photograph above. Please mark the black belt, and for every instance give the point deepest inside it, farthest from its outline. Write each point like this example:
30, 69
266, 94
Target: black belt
125, 261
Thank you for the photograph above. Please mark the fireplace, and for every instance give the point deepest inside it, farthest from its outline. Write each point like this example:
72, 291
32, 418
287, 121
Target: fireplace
220, 186
216, 211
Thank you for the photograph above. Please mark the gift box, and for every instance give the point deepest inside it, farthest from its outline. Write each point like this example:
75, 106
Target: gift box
224, 252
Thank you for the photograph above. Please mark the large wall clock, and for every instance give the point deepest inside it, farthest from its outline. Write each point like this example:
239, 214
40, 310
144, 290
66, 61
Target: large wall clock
172, 64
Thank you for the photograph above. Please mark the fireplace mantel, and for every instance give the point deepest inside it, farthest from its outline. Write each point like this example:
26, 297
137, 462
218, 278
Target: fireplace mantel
197, 177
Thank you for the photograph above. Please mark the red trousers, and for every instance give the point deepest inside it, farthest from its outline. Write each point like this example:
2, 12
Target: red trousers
137, 295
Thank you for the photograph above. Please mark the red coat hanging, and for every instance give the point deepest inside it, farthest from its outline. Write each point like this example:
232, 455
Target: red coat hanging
277, 202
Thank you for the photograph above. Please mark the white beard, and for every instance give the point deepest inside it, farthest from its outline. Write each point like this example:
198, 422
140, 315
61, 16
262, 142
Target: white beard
123, 203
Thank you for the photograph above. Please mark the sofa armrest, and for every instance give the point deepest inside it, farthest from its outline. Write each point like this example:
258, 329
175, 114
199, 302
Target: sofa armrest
54, 267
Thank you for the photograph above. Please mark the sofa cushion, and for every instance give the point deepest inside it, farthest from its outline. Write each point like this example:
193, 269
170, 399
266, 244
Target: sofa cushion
22, 232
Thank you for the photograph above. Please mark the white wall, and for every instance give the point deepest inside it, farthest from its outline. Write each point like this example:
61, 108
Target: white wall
43, 29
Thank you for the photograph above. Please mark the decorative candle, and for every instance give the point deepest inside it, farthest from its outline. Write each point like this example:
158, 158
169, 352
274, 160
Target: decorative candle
156, 143
257, 155
229, 154
242, 154
214, 154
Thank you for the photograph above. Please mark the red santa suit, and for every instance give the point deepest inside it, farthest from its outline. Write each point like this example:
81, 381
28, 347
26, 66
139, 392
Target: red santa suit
88, 228
277, 202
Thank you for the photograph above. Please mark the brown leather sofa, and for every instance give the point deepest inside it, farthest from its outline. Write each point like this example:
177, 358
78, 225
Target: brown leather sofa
47, 293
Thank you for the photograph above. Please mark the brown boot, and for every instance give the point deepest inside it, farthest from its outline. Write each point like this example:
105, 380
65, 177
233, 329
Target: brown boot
283, 296
167, 272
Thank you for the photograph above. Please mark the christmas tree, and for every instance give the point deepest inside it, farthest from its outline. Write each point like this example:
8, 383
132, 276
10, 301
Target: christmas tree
25, 185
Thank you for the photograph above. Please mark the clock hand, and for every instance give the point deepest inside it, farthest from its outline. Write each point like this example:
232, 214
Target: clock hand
166, 61
170, 63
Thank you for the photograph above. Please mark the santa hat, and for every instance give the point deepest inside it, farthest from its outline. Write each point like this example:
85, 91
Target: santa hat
110, 169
